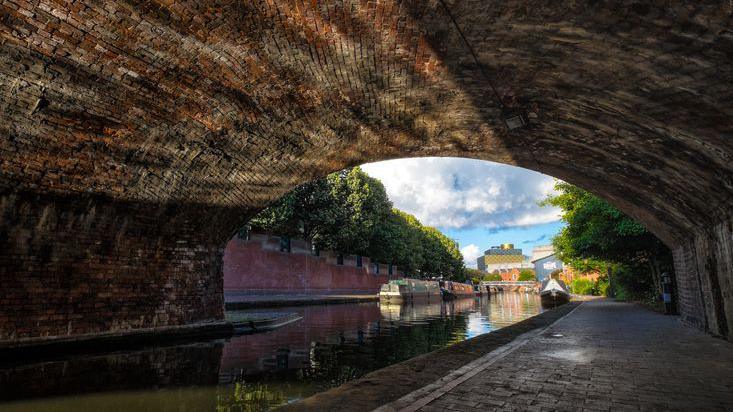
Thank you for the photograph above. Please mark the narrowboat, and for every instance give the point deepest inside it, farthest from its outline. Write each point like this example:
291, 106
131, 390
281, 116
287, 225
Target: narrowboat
553, 293
403, 290
452, 290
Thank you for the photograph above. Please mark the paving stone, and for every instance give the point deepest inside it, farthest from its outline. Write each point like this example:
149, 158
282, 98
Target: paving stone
608, 341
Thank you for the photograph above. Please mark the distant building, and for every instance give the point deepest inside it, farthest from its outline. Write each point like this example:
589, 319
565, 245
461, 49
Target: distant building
542, 251
545, 261
504, 257
509, 275
544, 266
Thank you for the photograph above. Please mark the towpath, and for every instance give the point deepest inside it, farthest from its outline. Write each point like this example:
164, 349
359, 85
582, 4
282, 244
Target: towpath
602, 356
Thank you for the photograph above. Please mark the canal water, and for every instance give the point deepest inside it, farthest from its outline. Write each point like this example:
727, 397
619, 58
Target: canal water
331, 345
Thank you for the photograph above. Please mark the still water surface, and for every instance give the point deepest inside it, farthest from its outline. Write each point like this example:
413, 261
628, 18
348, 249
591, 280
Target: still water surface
331, 345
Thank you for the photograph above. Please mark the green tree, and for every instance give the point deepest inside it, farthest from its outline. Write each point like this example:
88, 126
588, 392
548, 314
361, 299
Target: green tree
598, 234
441, 255
526, 275
474, 275
581, 286
301, 213
399, 240
492, 277
349, 212
363, 206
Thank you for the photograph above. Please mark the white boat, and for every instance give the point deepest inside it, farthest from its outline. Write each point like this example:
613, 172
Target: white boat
554, 292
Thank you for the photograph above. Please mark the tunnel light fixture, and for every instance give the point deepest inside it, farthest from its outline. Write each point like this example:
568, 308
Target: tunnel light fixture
515, 120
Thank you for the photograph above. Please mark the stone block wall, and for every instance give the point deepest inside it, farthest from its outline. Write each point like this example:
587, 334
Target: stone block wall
704, 274
258, 266
88, 265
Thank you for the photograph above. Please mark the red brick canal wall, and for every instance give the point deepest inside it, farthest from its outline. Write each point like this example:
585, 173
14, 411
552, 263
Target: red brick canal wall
258, 265
73, 265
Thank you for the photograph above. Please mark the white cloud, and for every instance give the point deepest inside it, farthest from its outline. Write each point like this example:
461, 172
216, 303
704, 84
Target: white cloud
454, 193
470, 254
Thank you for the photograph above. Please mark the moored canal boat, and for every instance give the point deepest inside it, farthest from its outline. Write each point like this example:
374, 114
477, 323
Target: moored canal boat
452, 290
554, 292
403, 290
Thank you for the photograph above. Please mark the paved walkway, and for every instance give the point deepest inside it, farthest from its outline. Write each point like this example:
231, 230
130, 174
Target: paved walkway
603, 356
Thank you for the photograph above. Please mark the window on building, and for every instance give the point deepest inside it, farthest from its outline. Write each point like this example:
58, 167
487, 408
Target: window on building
340, 259
315, 250
376, 268
358, 261
391, 269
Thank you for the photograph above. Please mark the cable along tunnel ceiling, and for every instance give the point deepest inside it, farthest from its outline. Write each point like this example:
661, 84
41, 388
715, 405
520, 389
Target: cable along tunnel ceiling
232, 103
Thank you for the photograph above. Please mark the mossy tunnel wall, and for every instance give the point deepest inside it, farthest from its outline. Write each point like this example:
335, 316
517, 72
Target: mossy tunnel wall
137, 136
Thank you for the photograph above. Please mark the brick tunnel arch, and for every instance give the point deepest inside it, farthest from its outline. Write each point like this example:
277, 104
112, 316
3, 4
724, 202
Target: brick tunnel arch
137, 135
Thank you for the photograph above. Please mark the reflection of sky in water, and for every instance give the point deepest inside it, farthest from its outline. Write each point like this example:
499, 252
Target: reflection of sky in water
477, 325
501, 310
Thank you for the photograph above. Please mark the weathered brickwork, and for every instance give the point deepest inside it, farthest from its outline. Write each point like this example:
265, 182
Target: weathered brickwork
704, 266
76, 266
189, 116
258, 266
689, 298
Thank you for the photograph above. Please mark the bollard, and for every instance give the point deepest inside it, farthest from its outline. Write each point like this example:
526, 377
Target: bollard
667, 293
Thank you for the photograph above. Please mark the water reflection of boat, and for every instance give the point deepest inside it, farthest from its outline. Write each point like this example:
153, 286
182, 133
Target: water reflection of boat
409, 312
554, 292
403, 290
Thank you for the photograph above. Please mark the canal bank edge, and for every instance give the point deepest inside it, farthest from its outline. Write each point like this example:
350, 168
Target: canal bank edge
55, 347
389, 384
300, 301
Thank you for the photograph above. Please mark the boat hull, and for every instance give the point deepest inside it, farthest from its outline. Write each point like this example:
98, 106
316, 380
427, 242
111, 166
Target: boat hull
554, 293
554, 298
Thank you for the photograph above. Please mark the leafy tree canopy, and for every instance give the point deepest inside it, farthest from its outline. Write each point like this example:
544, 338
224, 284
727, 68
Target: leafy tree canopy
526, 275
599, 236
349, 212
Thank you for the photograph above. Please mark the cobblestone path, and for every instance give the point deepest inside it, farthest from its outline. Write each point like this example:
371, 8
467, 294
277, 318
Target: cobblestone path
604, 356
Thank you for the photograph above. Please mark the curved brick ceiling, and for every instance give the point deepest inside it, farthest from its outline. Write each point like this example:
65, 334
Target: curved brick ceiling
231, 103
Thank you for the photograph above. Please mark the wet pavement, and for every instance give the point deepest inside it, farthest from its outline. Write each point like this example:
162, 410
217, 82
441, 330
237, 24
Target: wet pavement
603, 356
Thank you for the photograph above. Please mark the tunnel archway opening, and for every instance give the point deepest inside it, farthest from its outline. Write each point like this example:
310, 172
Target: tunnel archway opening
298, 217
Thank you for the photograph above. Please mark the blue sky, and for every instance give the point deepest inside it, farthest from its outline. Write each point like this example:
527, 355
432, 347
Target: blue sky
477, 203
523, 237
